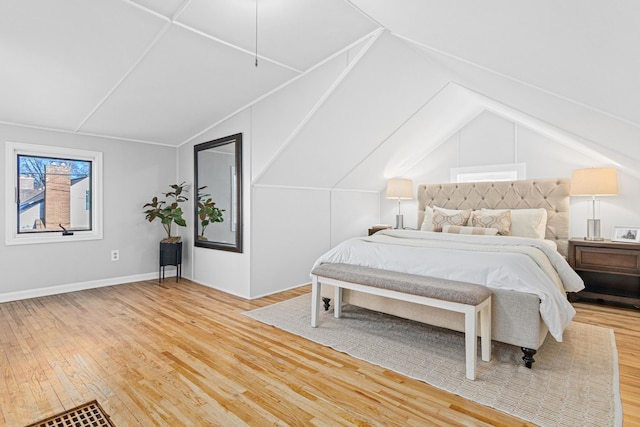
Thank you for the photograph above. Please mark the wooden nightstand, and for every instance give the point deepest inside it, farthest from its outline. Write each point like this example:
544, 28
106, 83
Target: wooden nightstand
374, 229
610, 270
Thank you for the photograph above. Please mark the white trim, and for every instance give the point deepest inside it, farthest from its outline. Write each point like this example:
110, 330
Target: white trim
297, 187
11, 234
142, 56
317, 106
490, 173
517, 80
89, 134
73, 287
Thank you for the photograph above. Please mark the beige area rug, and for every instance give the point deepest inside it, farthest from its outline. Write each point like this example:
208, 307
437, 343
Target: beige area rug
573, 383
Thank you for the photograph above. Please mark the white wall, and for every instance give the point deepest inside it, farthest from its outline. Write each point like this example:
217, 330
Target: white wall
291, 229
321, 148
227, 271
353, 213
285, 227
490, 139
133, 174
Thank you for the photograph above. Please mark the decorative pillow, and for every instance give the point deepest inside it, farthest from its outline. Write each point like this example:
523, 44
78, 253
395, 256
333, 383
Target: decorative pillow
455, 217
501, 221
427, 224
458, 229
530, 223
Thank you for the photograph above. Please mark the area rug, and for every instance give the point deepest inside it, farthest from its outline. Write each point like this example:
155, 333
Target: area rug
573, 383
89, 414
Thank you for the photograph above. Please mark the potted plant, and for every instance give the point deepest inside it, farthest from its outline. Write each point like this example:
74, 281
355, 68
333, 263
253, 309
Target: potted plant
207, 211
168, 211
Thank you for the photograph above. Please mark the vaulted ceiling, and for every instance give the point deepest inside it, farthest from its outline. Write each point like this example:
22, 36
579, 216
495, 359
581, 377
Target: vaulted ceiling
162, 71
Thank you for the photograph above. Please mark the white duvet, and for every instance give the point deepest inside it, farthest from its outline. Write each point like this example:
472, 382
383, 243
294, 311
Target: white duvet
504, 262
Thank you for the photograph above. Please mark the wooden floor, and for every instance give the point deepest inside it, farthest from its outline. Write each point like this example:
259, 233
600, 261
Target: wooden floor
182, 354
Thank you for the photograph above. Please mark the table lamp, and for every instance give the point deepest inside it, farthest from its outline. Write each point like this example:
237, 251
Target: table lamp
400, 189
594, 182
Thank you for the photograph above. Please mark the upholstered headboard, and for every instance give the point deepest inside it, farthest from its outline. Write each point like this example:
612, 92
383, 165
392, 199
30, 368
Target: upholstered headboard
551, 194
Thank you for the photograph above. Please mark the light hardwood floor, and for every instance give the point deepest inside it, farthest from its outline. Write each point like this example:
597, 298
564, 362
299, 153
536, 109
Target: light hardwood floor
182, 354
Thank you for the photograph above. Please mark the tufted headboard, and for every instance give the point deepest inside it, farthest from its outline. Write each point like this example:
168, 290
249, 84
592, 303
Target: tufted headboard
551, 194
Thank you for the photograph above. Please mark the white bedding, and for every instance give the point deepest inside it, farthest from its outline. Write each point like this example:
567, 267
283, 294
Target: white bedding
504, 262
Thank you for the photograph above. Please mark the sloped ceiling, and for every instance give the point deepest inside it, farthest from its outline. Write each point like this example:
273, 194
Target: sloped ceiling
158, 71
584, 51
163, 71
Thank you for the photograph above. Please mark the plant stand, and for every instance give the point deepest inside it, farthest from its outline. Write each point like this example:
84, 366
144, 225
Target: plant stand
170, 254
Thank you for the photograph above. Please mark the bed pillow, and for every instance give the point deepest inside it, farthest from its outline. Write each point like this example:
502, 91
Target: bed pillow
498, 220
530, 223
427, 224
459, 229
443, 217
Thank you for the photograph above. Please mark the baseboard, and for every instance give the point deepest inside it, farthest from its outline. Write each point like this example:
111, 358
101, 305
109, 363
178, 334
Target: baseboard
278, 291
226, 291
73, 287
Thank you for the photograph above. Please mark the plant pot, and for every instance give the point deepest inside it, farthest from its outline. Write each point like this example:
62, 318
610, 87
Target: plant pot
175, 239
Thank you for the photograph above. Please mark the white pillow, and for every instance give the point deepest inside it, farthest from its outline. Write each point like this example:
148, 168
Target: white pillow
530, 223
427, 224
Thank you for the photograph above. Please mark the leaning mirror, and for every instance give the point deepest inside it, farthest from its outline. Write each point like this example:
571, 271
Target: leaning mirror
218, 194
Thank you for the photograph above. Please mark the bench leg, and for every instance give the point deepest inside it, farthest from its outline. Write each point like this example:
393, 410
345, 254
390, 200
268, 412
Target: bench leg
315, 300
337, 303
485, 332
471, 341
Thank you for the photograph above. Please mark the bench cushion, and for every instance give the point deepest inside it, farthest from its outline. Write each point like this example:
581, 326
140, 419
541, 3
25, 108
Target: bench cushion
430, 287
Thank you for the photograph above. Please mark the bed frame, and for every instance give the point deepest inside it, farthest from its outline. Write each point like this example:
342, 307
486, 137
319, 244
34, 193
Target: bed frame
515, 315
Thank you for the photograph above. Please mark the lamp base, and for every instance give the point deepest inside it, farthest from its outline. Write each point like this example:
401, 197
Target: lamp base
593, 230
399, 222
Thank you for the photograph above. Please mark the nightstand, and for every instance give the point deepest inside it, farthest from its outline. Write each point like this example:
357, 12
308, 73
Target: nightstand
374, 229
610, 270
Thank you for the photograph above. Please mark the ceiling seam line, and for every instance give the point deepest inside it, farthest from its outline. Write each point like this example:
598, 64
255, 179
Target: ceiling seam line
424, 104
560, 136
443, 140
94, 135
318, 104
175, 15
283, 85
363, 13
299, 187
235, 47
527, 120
155, 40
147, 10
516, 80
345, 49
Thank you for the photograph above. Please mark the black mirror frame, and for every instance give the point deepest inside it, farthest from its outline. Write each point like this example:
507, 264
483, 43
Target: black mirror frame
237, 247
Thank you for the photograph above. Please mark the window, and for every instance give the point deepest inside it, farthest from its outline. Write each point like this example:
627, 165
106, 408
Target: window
508, 172
53, 194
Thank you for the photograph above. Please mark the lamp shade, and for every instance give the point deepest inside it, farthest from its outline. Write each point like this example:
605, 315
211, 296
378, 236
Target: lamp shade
399, 189
594, 182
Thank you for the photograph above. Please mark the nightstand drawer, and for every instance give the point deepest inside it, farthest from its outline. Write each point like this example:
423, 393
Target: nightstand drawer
605, 259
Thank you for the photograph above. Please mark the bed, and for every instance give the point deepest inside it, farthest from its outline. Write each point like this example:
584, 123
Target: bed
529, 300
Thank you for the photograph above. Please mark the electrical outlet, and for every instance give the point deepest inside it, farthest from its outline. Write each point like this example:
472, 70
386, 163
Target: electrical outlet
115, 255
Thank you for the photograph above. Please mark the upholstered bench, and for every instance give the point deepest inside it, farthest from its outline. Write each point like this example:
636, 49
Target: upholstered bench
467, 298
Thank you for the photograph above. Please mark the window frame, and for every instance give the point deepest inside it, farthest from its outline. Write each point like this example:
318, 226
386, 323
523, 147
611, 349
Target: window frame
489, 173
12, 150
